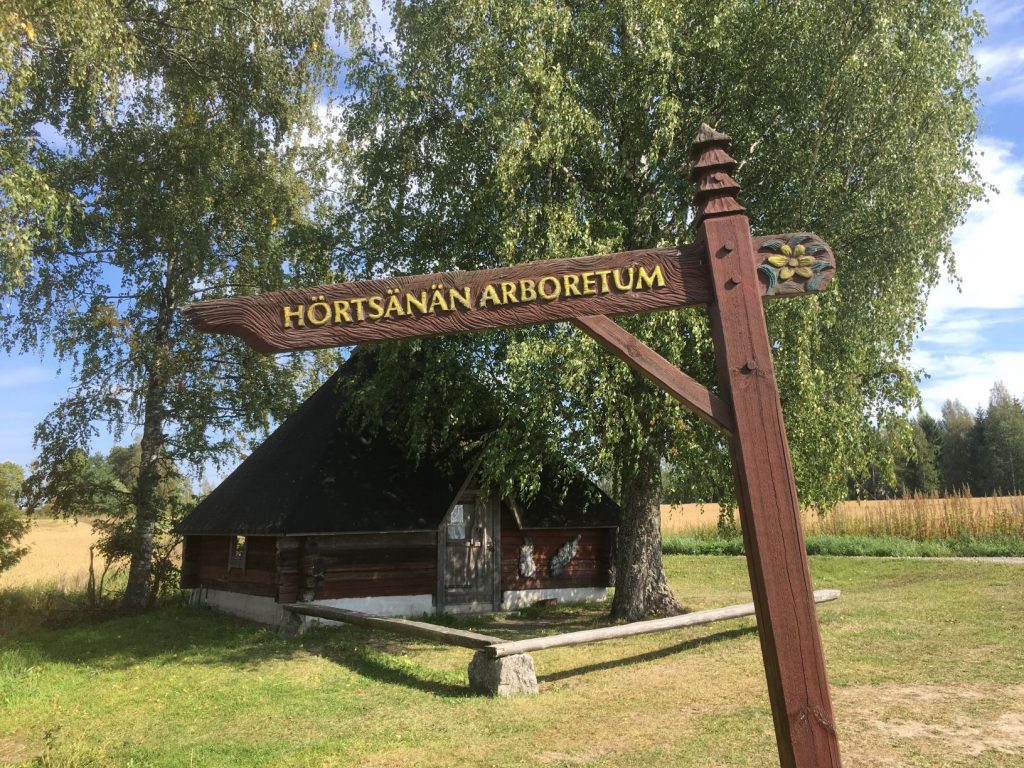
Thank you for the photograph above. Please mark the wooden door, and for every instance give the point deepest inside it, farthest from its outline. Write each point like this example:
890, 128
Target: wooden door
469, 553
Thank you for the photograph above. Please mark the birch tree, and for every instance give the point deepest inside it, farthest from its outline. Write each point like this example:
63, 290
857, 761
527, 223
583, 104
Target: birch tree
489, 133
183, 177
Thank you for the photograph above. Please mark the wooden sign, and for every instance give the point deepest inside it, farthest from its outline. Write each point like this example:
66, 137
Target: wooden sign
727, 270
523, 294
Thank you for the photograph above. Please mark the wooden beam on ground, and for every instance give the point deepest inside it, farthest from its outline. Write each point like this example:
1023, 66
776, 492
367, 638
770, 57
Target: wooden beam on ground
689, 392
509, 648
421, 629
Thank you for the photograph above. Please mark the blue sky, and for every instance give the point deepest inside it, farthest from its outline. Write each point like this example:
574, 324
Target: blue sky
975, 331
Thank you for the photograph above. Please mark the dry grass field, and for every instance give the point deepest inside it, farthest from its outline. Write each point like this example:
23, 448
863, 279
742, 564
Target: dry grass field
917, 518
58, 555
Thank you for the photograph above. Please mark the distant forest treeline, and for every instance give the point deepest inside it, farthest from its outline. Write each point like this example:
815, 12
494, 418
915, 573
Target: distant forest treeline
981, 452
978, 454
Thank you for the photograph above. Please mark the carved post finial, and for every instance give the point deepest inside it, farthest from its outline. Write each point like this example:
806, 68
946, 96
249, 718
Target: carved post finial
716, 189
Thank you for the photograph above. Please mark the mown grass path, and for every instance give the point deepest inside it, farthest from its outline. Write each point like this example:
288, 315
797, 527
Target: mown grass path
926, 660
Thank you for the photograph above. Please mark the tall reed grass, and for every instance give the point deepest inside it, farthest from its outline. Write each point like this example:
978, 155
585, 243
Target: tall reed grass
917, 526
924, 518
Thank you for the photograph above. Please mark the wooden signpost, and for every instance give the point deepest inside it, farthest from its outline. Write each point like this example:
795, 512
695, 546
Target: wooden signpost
727, 270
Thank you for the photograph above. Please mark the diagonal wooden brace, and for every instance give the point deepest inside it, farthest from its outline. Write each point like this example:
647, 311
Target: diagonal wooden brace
688, 391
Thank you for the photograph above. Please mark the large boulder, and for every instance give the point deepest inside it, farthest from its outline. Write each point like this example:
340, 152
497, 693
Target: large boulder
507, 676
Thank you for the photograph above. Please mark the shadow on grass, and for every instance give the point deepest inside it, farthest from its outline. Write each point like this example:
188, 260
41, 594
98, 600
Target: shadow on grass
395, 670
171, 634
661, 653
199, 637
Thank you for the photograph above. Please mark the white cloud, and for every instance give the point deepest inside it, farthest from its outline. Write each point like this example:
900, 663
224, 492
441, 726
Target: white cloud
1001, 56
1003, 66
996, 61
988, 254
957, 348
969, 377
959, 332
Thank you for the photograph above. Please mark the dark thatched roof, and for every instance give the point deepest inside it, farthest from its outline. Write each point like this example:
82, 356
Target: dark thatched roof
317, 474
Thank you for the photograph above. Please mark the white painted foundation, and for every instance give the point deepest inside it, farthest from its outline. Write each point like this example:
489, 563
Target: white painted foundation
394, 605
512, 599
252, 607
266, 611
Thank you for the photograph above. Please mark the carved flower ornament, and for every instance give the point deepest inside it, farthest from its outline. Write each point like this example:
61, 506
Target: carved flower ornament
792, 261
796, 258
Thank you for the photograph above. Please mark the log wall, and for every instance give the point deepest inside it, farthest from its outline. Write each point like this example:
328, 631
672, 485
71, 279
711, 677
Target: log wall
207, 559
370, 565
292, 569
291, 585
190, 563
590, 567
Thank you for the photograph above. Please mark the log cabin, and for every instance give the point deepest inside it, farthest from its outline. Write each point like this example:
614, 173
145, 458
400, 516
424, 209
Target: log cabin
325, 512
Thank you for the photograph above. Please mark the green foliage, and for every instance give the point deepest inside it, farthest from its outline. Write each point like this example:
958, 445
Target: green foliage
979, 453
917, 471
82, 486
103, 489
72, 67
63, 63
998, 448
489, 134
486, 136
956, 460
13, 524
702, 545
190, 188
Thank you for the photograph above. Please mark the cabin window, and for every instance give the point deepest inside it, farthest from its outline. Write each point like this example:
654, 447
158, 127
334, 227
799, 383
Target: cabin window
236, 555
457, 523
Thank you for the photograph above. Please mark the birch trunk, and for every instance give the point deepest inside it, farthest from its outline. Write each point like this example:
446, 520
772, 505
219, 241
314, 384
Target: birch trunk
153, 455
641, 587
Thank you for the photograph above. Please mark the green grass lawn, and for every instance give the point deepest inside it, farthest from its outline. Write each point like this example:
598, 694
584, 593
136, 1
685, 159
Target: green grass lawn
926, 661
